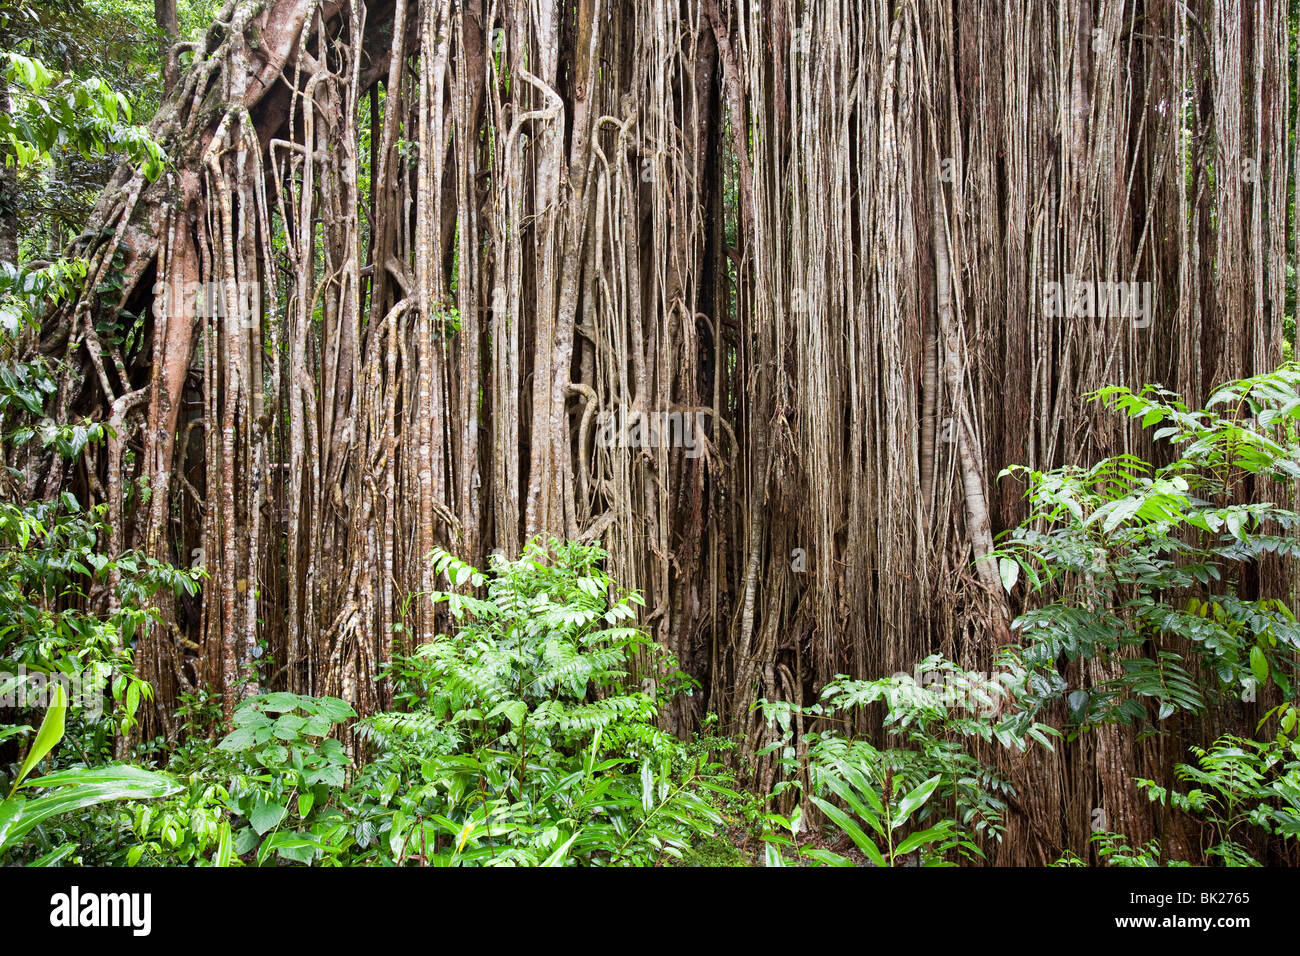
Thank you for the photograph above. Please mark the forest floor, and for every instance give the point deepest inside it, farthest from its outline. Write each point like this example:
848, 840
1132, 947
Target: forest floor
738, 845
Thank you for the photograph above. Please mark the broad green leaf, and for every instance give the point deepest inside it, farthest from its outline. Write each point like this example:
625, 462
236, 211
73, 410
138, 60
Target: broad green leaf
853, 799
51, 733
223, 855
910, 803
561, 852
335, 709
56, 855
922, 837
1010, 572
265, 816
1258, 664
78, 789
851, 829
280, 702
647, 787
241, 738
826, 856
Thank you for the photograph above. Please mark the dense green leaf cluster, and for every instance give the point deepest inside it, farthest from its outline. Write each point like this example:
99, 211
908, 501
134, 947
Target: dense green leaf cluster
50, 112
547, 750
935, 721
1142, 568
524, 738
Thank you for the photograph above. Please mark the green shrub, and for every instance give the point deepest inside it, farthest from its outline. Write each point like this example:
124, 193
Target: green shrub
1141, 568
929, 794
531, 740
524, 738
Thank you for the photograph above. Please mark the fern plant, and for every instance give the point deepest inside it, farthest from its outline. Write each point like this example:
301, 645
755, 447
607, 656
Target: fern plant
1241, 789
933, 722
1113, 849
526, 737
874, 817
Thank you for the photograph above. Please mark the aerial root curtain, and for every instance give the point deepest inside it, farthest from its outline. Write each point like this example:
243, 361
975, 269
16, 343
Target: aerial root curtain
439, 243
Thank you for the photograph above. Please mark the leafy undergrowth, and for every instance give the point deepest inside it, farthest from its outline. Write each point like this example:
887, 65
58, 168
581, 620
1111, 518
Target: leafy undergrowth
738, 846
529, 734
524, 737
